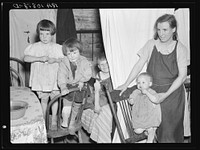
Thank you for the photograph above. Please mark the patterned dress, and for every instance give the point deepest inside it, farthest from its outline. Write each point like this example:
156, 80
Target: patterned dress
99, 125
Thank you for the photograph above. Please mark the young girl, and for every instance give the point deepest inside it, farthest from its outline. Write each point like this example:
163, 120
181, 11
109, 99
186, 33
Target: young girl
44, 57
145, 114
74, 70
98, 122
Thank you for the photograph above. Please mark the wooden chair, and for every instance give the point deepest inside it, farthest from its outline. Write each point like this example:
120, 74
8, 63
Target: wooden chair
15, 75
53, 134
126, 112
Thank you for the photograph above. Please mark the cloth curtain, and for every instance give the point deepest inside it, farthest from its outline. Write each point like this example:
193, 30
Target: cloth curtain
183, 19
124, 32
65, 25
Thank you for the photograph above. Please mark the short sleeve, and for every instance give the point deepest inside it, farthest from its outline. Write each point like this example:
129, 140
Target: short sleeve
29, 50
181, 56
56, 51
146, 50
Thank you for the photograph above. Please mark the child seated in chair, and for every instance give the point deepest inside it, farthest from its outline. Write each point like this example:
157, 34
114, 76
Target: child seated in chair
74, 70
98, 121
146, 116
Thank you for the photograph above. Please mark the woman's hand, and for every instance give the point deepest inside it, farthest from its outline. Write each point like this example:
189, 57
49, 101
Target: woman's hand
123, 88
161, 97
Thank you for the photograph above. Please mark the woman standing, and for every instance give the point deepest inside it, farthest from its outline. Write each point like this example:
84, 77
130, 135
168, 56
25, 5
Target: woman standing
167, 63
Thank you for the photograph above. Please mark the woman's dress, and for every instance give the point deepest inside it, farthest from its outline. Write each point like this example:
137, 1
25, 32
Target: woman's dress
164, 69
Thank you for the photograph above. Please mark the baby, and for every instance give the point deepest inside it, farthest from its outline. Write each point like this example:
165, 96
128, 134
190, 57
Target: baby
146, 116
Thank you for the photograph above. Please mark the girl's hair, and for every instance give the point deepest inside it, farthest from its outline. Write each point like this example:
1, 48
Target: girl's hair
70, 44
172, 22
146, 75
46, 25
101, 57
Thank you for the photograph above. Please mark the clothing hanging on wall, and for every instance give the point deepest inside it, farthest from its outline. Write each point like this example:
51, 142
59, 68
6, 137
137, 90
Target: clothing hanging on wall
65, 25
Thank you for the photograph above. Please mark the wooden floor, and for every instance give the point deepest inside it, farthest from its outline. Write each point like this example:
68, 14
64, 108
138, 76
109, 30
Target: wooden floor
86, 139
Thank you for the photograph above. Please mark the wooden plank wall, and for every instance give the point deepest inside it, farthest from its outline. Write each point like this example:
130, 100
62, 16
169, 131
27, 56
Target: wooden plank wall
88, 19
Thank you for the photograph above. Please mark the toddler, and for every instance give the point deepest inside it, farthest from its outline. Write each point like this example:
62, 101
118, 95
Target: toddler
44, 57
74, 70
146, 116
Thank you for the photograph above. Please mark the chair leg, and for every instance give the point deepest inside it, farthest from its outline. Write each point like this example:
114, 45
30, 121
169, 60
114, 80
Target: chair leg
80, 136
52, 141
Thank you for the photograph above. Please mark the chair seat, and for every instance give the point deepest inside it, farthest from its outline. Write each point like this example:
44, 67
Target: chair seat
65, 132
57, 133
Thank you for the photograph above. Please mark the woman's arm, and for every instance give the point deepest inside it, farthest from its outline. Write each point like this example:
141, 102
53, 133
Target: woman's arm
144, 54
134, 72
175, 85
153, 96
182, 68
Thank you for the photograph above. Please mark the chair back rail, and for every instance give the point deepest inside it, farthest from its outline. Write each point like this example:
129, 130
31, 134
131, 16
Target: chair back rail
121, 135
126, 113
18, 67
59, 98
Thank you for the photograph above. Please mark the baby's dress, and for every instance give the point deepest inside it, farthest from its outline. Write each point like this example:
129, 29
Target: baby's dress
145, 114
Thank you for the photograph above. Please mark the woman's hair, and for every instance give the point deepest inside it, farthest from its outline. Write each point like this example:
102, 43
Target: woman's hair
146, 75
172, 22
46, 25
70, 44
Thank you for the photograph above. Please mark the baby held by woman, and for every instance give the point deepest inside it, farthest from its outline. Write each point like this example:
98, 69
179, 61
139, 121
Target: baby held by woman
146, 116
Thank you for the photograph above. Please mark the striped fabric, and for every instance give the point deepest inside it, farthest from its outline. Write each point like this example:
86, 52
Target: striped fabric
98, 125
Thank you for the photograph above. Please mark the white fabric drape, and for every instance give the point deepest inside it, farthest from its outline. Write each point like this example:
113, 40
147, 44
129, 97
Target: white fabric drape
183, 19
23, 25
124, 32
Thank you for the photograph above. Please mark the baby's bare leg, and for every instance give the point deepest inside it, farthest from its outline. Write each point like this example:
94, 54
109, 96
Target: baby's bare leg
151, 134
139, 130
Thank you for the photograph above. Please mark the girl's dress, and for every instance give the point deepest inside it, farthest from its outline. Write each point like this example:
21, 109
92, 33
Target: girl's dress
145, 114
99, 125
164, 70
43, 76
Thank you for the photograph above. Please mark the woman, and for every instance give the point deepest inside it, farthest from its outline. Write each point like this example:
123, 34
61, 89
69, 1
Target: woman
167, 63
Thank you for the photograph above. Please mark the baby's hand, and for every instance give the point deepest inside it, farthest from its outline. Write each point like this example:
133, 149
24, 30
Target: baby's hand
64, 91
130, 100
144, 91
